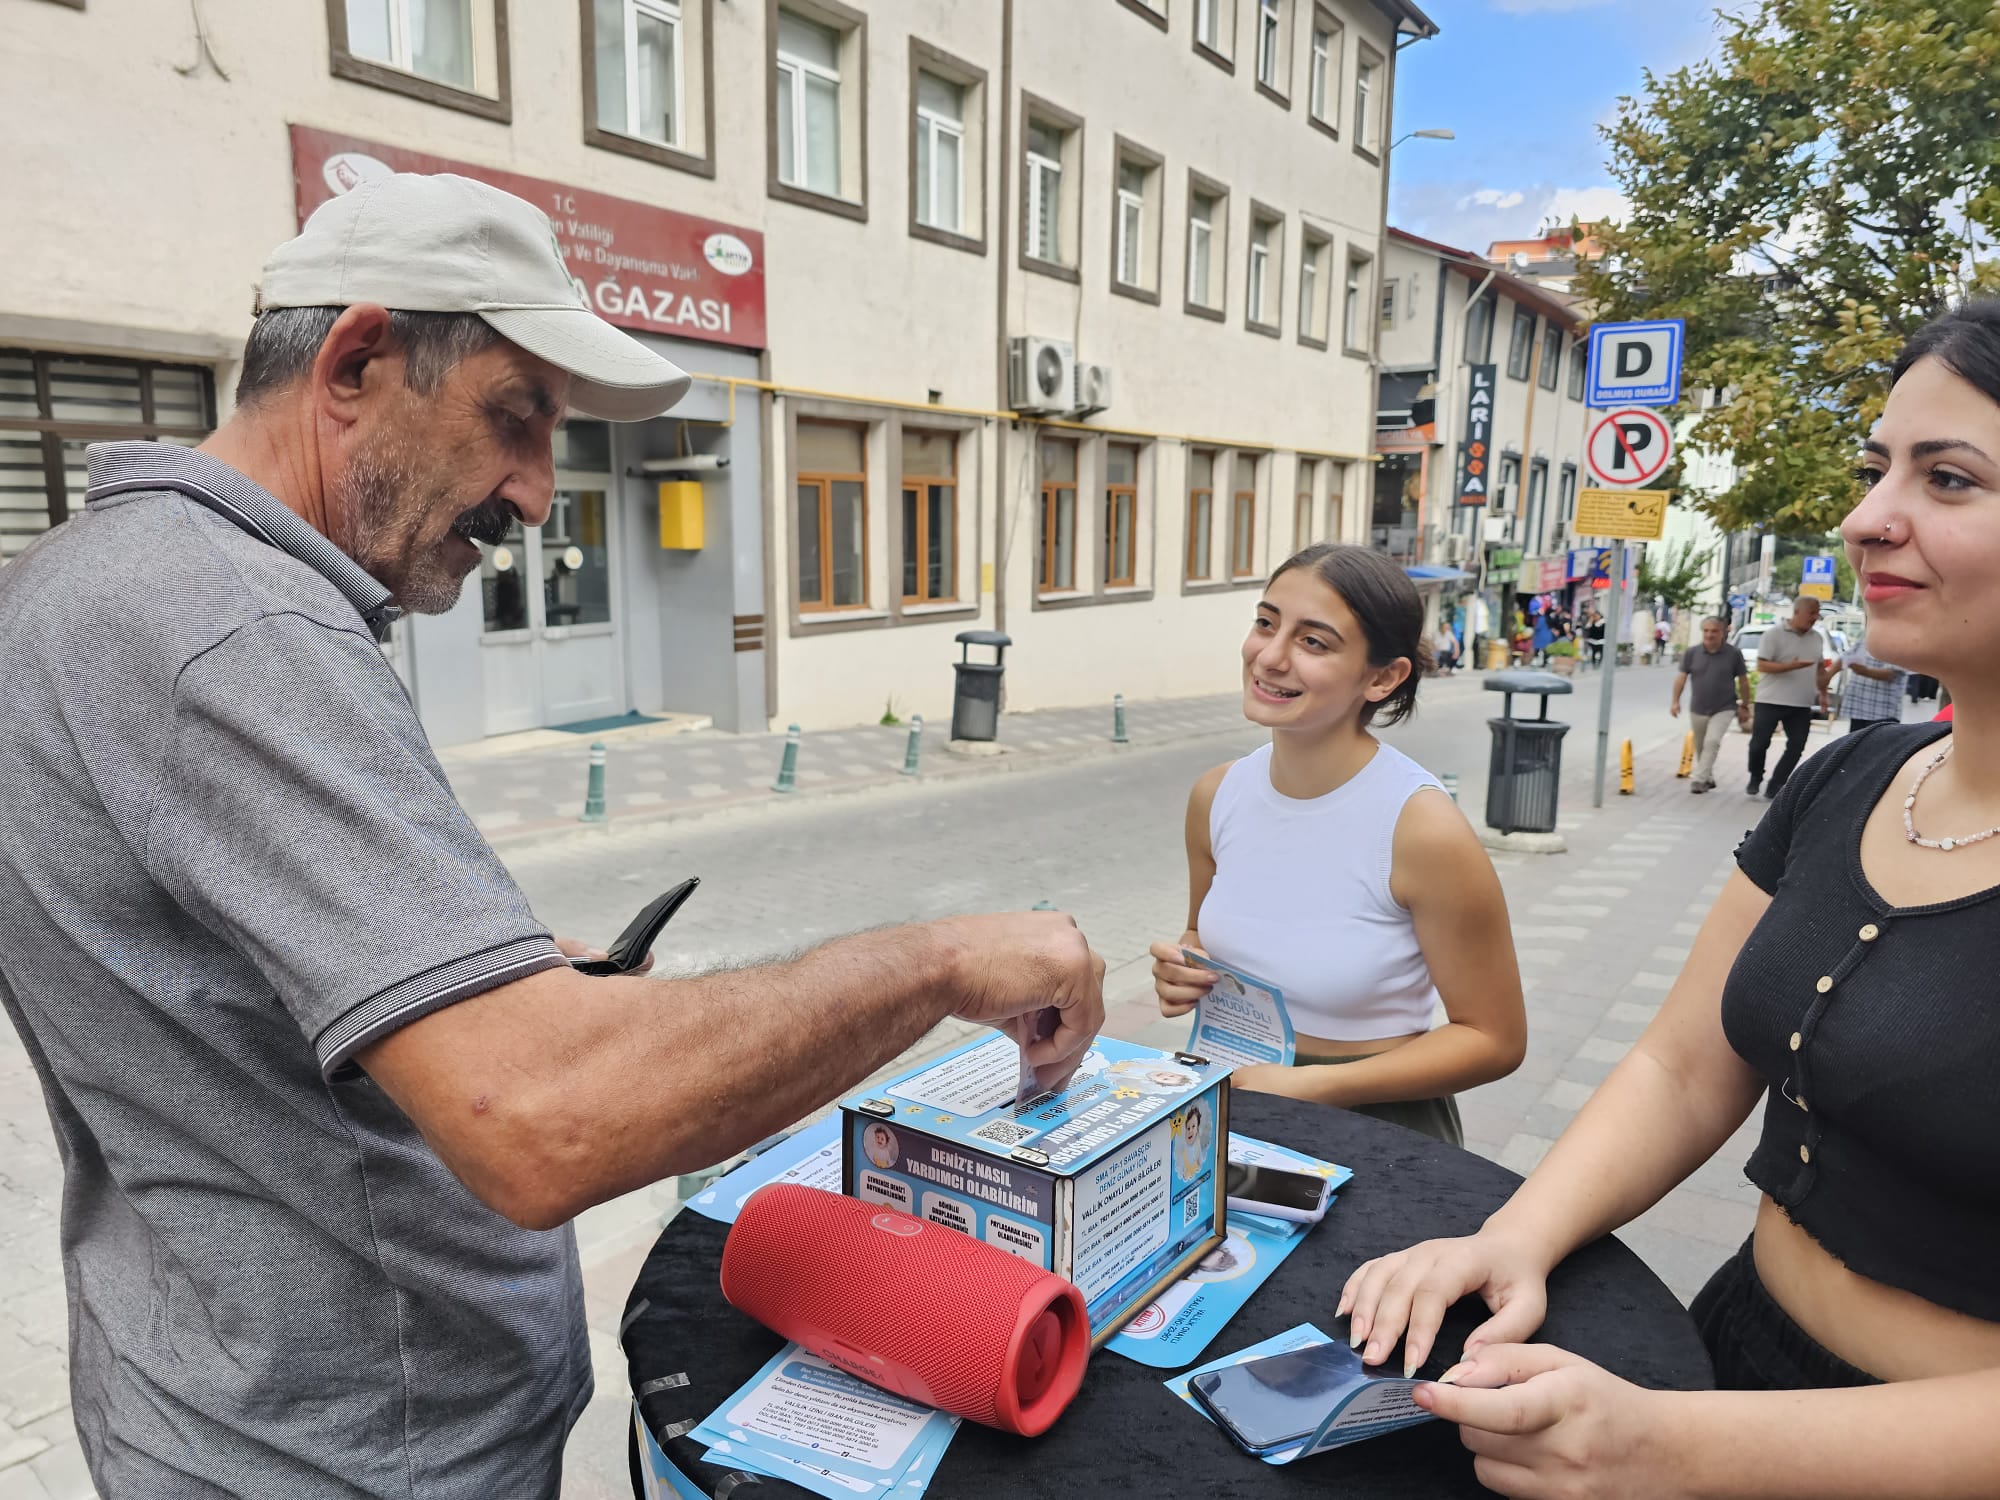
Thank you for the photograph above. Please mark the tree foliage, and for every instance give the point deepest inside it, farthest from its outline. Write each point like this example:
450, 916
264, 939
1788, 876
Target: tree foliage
1807, 199
1676, 578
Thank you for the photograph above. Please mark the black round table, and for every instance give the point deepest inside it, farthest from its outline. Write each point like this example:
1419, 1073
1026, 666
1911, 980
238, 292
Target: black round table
1126, 1434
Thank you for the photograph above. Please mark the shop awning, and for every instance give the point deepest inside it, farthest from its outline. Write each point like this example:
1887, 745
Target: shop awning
1430, 573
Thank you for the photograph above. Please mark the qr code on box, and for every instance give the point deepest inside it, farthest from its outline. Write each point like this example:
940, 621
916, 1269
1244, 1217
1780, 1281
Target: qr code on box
1190, 1209
1004, 1133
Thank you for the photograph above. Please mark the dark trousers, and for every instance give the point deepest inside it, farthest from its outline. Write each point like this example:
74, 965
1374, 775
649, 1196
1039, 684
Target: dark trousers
1754, 1344
1797, 719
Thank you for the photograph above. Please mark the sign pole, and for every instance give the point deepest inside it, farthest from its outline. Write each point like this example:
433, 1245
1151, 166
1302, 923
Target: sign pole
1612, 630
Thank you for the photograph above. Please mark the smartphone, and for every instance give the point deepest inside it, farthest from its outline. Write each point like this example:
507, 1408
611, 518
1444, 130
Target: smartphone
636, 941
1269, 1404
1278, 1193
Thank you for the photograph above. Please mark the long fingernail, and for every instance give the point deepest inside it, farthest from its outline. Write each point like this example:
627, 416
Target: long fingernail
1373, 1355
1355, 1336
1410, 1363
1450, 1377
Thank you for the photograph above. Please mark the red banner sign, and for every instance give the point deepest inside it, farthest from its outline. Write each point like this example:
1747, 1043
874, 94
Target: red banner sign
638, 266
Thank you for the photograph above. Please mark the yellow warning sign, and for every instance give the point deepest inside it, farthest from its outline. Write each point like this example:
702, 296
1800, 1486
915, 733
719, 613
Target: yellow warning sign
1625, 515
1816, 590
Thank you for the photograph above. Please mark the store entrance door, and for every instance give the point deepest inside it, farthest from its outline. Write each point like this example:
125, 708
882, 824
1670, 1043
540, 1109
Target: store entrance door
550, 653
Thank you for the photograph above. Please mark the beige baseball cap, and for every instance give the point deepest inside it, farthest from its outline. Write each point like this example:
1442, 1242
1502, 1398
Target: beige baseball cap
417, 242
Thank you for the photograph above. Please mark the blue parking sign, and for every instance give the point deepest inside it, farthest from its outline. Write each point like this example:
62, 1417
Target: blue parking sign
1817, 569
1636, 364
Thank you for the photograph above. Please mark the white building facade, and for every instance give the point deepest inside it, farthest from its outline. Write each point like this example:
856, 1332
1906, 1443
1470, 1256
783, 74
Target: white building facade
987, 335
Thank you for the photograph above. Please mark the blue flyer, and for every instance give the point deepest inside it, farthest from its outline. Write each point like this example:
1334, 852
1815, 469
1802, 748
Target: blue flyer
810, 1156
1361, 1406
1242, 1019
1180, 1323
811, 1423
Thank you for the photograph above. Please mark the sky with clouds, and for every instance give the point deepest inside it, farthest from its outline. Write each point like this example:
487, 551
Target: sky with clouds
1525, 84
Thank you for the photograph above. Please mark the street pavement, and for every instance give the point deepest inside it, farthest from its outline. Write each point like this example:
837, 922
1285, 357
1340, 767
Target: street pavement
1092, 828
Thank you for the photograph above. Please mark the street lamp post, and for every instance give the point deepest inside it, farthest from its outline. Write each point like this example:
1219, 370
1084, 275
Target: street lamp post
1439, 134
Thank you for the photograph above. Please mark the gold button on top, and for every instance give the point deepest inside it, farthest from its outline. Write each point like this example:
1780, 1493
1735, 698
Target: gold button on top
1796, 1040
1800, 1101
1870, 933
1805, 1155
1825, 983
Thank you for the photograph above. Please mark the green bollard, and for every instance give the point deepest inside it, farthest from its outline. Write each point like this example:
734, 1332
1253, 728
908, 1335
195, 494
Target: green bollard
1450, 785
1118, 736
788, 768
593, 796
1043, 905
916, 743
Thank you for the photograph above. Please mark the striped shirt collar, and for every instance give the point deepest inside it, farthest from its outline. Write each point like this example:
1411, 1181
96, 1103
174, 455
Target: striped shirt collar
125, 468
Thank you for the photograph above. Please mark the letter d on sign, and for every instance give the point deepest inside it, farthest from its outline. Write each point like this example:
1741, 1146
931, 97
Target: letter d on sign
1633, 360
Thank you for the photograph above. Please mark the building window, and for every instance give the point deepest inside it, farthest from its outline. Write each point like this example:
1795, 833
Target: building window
808, 123
832, 491
1538, 499
645, 80
53, 405
940, 154
1521, 343
1389, 304
1508, 494
1058, 464
947, 149
1201, 513
1243, 519
1323, 81
1552, 343
1368, 103
1302, 506
1270, 44
1315, 273
1566, 495
1051, 169
1121, 515
1207, 244
1579, 361
1336, 484
1479, 331
1208, 23
639, 59
450, 52
930, 516
1135, 222
1354, 305
1262, 308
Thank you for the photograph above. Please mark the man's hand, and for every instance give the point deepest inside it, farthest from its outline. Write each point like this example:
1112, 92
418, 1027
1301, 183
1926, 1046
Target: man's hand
1011, 966
1674, 708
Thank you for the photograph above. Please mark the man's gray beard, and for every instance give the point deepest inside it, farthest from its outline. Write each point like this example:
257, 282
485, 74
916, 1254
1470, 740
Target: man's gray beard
383, 506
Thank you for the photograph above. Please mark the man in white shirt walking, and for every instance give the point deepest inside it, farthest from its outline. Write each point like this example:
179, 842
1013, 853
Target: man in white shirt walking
1791, 675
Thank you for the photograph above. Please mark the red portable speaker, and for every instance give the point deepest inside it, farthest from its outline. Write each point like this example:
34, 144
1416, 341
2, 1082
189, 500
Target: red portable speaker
920, 1309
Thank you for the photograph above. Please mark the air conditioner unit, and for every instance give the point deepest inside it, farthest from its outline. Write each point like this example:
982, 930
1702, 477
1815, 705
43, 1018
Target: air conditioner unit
1093, 388
1454, 549
1558, 535
1498, 529
1041, 375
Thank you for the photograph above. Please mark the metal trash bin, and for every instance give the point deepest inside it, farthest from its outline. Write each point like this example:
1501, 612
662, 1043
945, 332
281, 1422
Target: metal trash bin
1526, 766
975, 703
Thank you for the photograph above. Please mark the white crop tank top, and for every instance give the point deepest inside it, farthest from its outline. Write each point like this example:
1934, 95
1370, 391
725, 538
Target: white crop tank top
1301, 897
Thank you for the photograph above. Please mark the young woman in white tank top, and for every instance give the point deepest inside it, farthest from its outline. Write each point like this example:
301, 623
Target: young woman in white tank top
1337, 868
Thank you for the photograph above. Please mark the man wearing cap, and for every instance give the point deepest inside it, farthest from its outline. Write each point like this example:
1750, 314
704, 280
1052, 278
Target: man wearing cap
327, 1094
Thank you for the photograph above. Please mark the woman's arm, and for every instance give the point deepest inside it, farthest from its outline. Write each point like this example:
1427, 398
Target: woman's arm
1179, 986
1618, 1157
1443, 877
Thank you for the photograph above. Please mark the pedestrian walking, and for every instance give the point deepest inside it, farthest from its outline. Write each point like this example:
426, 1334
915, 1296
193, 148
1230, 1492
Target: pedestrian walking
1593, 636
1843, 982
1873, 693
327, 1093
1721, 693
1791, 677
1337, 868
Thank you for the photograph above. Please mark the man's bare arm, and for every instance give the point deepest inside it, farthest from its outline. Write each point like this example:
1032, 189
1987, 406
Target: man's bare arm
560, 1091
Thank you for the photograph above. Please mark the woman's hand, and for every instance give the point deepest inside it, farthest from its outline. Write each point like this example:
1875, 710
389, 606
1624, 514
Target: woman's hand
1551, 1425
1405, 1296
1179, 985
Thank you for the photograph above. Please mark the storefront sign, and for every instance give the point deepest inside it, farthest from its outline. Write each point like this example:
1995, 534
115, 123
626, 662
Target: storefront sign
639, 267
1475, 454
1581, 560
1550, 574
1503, 564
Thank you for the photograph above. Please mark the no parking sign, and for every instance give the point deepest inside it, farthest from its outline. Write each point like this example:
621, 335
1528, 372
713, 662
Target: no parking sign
1629, 447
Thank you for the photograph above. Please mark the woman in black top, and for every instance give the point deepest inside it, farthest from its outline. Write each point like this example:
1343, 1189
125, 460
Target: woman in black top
1848, 978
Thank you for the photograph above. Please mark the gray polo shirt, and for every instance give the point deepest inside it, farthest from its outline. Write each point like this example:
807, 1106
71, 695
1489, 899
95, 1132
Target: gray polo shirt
1799, 689
1712, 677
229, 861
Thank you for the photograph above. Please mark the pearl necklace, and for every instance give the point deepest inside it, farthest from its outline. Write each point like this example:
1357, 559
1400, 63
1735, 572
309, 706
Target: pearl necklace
1909, 812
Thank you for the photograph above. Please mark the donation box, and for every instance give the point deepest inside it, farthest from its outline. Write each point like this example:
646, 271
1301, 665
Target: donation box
1110, 1183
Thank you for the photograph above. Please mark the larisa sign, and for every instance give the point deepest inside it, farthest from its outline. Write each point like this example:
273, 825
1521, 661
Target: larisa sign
1475, 455
640, 267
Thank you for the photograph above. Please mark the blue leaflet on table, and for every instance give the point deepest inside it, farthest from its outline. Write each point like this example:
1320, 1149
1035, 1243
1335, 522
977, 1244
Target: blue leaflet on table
1178, 1324
805, 1421
810, 1155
